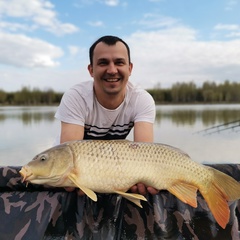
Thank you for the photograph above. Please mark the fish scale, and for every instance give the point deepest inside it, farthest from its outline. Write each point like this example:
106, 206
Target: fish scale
115, 166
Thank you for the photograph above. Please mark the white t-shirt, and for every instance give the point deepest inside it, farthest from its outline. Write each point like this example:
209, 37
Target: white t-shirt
80, 106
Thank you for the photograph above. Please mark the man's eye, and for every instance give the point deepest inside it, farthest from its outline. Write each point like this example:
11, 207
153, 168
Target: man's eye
119, 63
102, 63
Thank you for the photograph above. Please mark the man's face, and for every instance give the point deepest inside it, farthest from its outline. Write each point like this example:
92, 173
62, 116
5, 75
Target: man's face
111, 68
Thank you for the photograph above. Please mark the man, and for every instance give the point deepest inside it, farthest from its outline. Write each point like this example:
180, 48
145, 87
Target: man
109, 106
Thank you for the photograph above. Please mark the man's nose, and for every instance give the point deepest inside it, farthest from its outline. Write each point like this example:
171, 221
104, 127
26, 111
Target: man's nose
112, 69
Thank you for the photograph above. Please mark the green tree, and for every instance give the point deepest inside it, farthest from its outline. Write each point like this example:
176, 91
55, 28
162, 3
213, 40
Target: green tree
184, 92
3, 96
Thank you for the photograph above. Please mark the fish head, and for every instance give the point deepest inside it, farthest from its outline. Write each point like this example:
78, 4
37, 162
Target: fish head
49, 167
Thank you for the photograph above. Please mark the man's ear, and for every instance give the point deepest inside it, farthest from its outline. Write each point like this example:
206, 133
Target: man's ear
130, 69
90, 70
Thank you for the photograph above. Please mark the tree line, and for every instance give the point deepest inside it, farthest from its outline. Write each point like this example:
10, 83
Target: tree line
26, 96
209, 92
185, 92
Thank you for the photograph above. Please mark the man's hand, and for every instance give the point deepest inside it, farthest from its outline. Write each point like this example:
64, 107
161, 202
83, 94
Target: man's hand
142, 189
71, 189
138, 188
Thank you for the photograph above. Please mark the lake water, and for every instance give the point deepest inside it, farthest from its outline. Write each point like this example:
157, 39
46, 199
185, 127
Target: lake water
26, 131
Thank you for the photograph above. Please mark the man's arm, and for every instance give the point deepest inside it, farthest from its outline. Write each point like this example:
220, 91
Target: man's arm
71, 132
143, 132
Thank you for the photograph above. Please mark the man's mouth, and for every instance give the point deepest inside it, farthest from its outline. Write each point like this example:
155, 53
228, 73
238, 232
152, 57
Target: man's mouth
112, 79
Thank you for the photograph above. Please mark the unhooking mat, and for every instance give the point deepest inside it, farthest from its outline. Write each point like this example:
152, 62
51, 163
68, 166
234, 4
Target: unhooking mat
36, 212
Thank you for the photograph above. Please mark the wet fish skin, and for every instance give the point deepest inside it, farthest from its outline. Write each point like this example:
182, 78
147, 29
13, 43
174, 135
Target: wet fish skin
114, 166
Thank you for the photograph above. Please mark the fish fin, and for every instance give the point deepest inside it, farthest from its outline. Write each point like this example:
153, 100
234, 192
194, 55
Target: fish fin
185, 192
220, 190
132, 197
228, 185
91, 194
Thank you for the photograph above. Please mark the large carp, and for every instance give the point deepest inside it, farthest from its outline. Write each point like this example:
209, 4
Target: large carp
114, 166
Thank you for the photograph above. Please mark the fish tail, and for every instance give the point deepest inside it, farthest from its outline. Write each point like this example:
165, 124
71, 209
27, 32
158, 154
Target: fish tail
223, 188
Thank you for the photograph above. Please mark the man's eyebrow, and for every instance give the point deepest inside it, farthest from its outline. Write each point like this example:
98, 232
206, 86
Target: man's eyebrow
116, 59
102, 60
120, 59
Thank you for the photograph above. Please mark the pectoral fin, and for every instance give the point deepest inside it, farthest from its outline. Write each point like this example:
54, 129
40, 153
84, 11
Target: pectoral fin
91, 194
185, 192
132, 197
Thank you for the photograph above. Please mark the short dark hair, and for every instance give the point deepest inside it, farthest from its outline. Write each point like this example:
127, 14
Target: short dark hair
109, 40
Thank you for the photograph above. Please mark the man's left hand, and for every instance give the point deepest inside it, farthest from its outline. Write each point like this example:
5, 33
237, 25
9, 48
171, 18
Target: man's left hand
143, 190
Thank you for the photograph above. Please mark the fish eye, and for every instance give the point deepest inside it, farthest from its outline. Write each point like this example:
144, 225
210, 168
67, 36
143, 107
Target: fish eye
42, 158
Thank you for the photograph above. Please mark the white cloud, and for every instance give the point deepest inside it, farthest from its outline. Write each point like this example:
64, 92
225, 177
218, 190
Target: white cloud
46, 78
74, 50
111, 2
150, 20
172, 55
15, 27
232, 29
37, 13
233, 35
21, 51
229, 27
96, 24
231, 5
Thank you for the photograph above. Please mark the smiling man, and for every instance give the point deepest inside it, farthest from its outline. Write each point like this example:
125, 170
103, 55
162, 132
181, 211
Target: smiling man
109, 106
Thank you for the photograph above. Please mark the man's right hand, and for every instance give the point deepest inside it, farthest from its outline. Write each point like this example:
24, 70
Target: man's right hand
71, 189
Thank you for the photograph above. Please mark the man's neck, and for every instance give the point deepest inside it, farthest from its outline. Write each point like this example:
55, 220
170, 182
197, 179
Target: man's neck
111, 101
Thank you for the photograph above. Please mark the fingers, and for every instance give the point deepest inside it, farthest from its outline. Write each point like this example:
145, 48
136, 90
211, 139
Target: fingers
134, 189
143, 190
138, 188
152, 190
71, 189
80, 192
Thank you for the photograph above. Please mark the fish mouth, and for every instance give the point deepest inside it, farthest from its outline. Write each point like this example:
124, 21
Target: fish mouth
29, 176
26, 174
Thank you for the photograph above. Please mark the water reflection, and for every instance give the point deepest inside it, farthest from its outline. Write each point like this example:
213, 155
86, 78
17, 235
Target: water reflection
27, 115
208, 117
179, 115
30, 130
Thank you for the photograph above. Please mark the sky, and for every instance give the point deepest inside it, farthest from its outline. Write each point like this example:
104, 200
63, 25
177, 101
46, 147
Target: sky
44, 43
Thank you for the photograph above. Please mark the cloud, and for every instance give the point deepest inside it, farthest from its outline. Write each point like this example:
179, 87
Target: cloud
111, 3
156, 0
22, 51
74, 50
96, 24
15, 27
151, 21
176, 55
232, 29
229, 27
34, 14
27, 16
46, 78
231, 5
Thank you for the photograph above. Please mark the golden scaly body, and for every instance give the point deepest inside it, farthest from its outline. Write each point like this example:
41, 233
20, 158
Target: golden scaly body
119, 165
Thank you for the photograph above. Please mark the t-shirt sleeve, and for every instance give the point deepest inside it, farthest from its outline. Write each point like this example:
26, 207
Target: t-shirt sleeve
72, 108
145, 109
